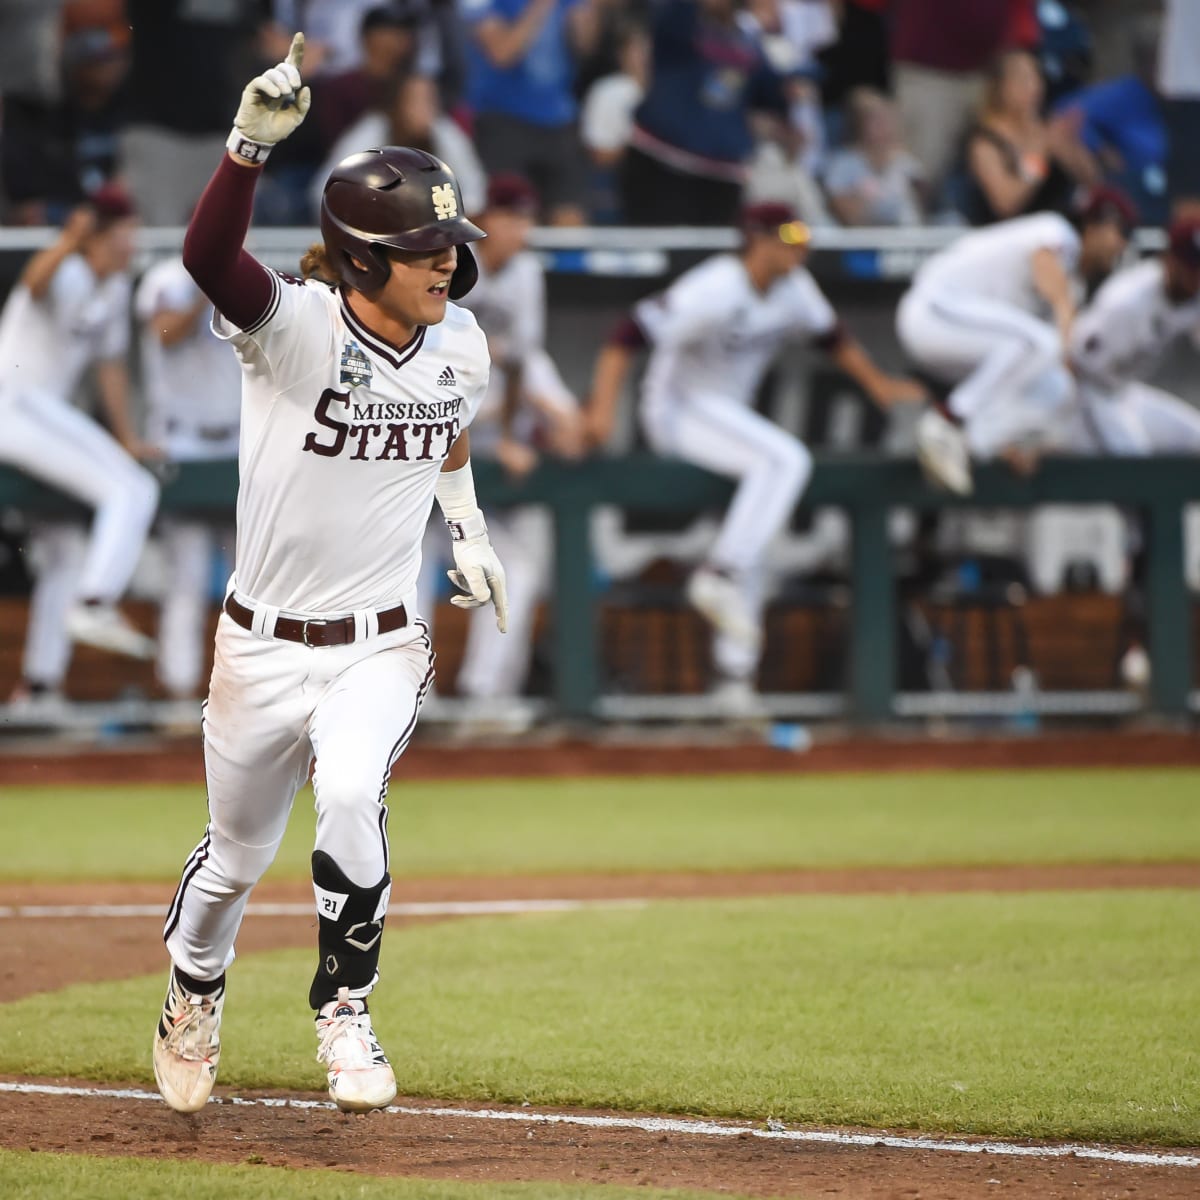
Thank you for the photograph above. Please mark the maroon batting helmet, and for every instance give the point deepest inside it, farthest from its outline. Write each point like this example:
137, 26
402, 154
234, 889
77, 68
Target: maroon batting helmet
1183, 241
400, 198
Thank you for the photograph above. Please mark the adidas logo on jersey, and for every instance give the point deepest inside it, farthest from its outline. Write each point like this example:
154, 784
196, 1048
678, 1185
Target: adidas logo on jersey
446, 378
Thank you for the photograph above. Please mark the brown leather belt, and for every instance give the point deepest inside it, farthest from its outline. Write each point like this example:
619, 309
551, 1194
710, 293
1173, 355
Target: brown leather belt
337, 632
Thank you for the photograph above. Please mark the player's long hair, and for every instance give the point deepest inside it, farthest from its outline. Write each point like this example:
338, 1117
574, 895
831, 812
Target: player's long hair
316, 264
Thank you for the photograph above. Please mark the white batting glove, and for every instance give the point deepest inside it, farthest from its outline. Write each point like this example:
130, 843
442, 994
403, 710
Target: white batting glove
480, 576
273, 103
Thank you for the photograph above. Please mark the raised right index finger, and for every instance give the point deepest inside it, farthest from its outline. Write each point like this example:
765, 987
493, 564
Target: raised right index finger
295, 54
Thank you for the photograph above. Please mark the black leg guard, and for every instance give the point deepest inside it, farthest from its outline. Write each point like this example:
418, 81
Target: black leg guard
351, 928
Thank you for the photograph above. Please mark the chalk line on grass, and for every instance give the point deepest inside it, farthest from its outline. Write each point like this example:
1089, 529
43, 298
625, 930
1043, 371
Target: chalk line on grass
687, 1128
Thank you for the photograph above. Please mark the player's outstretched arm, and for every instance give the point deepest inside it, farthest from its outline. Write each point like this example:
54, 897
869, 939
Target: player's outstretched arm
272, 105
478, 572
884, 389
40, 270
608, 381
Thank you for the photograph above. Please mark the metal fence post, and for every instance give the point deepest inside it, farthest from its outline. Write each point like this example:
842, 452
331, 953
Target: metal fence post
873, 613
1168, 612
576, 653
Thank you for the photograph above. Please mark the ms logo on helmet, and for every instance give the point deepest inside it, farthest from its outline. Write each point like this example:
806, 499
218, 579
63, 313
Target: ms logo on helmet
445, 202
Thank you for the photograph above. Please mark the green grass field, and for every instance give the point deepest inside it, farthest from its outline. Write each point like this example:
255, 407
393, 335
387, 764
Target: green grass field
739, 822
25, 1176
1040, 1014
1066, 1014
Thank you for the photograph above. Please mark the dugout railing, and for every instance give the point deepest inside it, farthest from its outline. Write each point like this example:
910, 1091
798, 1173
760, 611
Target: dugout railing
867, 488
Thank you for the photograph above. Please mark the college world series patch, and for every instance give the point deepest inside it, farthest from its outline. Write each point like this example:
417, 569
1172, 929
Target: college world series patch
356, 366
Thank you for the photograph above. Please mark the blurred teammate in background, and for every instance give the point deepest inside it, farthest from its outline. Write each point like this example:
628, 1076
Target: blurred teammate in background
1121, 337
527, 403
712, 335
991, 315
193, 387
70, 310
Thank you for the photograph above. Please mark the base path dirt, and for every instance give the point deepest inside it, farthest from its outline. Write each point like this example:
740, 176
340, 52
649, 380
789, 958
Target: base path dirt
464, 1148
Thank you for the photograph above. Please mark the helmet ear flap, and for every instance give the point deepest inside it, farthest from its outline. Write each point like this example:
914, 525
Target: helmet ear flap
466, 274
375, 270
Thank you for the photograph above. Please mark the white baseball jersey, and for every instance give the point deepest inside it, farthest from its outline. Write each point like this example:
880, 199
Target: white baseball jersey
343, 437
46, 344
712, 332
193, 387
1121, 335
997, 262
510, 306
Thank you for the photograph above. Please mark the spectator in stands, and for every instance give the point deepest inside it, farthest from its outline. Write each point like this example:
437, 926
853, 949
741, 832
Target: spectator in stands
792, 33
56, 153
859, 57
940, 52
412, 118
1017, 162
874, 180
1122, 125
1179, 85
692, 140
388, 36
189, 61
606, 120
520, 59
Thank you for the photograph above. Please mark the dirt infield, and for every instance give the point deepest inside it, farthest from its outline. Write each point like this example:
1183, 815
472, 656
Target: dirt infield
55, 950
47, 952
444, 1147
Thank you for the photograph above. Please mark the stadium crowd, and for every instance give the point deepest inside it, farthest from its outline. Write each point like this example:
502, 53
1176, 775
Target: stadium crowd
644, 112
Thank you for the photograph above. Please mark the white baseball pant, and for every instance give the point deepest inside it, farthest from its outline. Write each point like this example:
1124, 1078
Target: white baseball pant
189, 548
54, 443
1007, 364
772, 469
272, 707
1137, 420
55, 551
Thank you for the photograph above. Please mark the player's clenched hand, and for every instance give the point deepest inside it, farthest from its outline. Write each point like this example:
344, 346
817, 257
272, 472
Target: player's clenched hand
480, 575
274, 103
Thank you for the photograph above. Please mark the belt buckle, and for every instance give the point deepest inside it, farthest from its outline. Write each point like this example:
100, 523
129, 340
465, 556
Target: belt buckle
304, 632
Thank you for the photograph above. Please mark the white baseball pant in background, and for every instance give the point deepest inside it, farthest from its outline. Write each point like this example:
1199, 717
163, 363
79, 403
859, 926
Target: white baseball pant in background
1138, 420
1007, 364
272, 707
189, 548
772, 469
55, 552
56, 444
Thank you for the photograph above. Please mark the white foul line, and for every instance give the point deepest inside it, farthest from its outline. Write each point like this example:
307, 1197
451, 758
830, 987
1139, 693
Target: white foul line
423, 908
1140, 1158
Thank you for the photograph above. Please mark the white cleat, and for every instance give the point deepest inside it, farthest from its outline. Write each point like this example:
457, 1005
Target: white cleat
103, 626
360, 1076
736, 700
187, 1046
943, 454
720, 601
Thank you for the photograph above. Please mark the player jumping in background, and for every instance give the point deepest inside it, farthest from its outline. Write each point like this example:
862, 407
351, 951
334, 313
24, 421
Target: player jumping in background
712, 335
991, 315
527, 402
193, 388
349, 432
68, 311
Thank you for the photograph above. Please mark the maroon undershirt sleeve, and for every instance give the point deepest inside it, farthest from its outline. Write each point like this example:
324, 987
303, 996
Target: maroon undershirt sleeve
238, 285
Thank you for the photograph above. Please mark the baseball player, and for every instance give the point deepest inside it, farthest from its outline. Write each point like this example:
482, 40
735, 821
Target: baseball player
193, 386
68, 311
358, 384
526, 402
712, 335
991, 315
1120, 337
